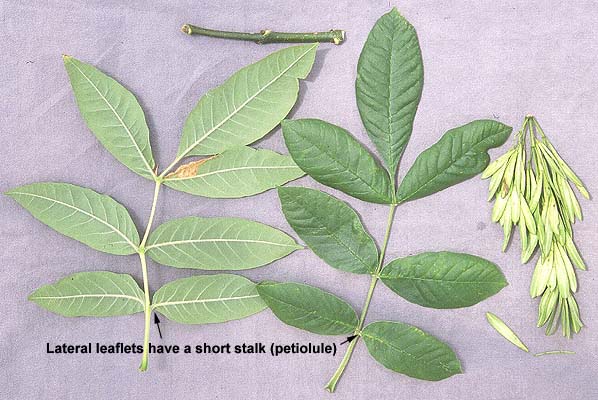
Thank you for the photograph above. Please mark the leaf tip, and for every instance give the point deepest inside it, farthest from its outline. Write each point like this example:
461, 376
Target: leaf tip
299, 247
458, 369
394, 10
9, 193
263, 284
395, 13
33, 296
283, 191
285, 123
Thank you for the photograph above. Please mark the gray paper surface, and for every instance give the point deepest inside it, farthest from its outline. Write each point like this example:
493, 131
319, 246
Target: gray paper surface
482, 59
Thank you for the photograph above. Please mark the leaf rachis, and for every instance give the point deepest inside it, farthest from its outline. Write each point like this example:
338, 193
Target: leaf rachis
333, 231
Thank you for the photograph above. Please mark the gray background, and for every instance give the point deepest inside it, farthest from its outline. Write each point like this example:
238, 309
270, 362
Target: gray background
483, 59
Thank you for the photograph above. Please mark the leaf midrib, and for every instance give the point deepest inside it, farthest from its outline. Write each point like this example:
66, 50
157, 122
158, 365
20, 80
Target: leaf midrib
319, 316
61, 297
188, 241
404, 277
391, 158
413, 356
149, 169
114, 229
323, 150
433, 178
221, 299
236, 110
331, 233
228, 170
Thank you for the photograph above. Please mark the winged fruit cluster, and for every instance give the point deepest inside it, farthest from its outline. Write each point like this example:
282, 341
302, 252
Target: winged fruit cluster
531, 185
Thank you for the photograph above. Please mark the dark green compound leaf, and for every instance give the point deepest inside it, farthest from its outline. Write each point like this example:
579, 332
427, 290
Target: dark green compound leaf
389, 84
331, 156
331, 228
459, 155
408, 350
308, 308
91, 294
443, 279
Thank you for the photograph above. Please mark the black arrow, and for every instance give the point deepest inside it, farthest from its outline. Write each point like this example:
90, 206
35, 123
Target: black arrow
157, 322
349, 339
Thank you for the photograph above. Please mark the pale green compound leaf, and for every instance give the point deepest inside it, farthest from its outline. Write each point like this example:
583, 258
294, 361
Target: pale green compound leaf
238, 172
91, 294
443, 279
389, 84
460, 154
245, 108
331, 229
331, 156
248, 105
308, 308
82, 214
218, 244
505, 331
208, 299
408, 350
114, 116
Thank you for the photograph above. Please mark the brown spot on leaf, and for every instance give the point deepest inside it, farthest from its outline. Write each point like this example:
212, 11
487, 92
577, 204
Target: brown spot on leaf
188, 170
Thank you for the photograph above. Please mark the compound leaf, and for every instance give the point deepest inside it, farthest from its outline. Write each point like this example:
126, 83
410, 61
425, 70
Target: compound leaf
208, 299
248, 105
443, 279
308, 308
82, 214
114, 116
408, 350
389, 84
91, 294
238, 172
331, 228
331, 156
459, 155
217, 244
